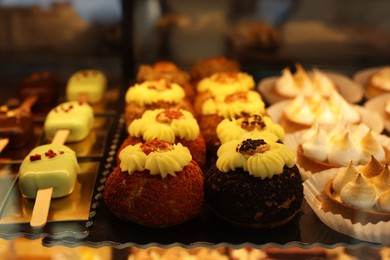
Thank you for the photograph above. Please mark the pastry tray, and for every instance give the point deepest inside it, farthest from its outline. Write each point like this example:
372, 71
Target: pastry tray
304, 230
72, 215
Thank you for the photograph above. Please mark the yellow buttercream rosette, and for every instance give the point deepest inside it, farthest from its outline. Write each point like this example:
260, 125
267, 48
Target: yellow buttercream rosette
158, 161
226, 83
165, 124
254, 127
234, 105
152, 91
259, 157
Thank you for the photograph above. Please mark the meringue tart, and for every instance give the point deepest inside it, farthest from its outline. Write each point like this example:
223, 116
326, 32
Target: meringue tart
360, 193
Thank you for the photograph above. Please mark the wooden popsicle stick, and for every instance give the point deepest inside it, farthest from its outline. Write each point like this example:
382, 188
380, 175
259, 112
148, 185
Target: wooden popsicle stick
41, 208
60, 136
3, 143
28, 103
43, 198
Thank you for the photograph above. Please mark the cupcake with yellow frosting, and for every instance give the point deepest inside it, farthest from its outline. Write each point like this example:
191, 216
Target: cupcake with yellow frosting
157, 184
254, 126
169, 71
221, 84
171, 125
254, 183
235, 105
154, 94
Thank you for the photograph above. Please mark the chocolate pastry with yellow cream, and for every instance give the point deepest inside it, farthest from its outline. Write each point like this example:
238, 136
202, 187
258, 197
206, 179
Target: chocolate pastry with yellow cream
235, 105
169, 71
221, 84
171, 125
254, 126
254, 183
154, 94
157, 184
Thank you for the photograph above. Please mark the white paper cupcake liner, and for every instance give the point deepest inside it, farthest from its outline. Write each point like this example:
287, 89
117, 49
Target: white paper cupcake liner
362, 77
377, 104
313, 187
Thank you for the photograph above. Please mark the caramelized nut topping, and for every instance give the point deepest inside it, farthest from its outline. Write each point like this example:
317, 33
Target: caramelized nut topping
160, 86
167, 116
240, 96
156, 146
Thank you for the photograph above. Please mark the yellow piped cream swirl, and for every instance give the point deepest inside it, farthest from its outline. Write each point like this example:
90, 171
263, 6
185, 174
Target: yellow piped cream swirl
260, 164
226, 83
251, 104
148, 127
230, 129
152, 91
162, 163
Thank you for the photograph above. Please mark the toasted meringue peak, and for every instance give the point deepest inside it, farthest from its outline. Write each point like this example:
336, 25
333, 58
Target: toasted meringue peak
383, 201
382, 180
371, 169
315, 145
345, 175
343, 151
359, 193
371, 147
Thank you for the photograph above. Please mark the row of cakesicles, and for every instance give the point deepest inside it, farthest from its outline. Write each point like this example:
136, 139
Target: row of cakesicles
50, 170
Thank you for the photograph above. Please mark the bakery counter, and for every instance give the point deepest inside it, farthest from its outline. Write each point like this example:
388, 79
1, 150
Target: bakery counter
89, 222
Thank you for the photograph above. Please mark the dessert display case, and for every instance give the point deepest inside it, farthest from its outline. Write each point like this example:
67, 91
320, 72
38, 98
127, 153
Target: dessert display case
263, 36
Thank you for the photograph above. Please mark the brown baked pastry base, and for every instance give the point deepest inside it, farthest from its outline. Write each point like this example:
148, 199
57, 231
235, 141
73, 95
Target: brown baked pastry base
372, 91
315, 166
291, 126
208, 125
149, 200
208, 66
248, 201
331, 204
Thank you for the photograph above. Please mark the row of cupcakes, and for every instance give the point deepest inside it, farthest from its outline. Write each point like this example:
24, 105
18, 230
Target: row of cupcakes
159, 182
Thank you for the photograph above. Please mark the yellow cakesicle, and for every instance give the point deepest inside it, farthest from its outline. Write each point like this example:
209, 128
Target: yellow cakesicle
48, 166
86, 85
48, 171
77, 117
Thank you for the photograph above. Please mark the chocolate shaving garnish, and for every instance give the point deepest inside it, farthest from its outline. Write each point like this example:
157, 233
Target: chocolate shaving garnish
250, 123
250, 146
156, 146
35, 157
50, 153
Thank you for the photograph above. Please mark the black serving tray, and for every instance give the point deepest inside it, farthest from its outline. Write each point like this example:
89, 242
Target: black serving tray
100, 154
304, 230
